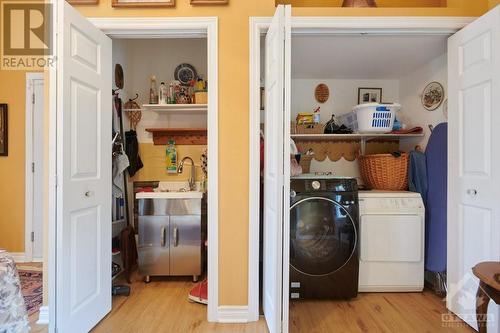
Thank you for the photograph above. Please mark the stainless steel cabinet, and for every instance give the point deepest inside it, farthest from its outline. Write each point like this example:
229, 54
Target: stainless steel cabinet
169, 237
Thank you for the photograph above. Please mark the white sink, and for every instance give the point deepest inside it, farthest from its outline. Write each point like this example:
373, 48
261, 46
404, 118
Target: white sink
172, 190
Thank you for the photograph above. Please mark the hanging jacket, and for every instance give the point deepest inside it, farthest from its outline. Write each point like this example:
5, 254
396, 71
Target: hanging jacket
417, 174
132, 151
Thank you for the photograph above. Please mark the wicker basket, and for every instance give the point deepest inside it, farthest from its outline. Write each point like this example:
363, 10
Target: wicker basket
384, 171
307, 129
305, 163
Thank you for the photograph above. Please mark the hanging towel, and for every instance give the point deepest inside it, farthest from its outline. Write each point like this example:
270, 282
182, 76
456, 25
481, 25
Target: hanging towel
132, 150
417, 175
120, 164
436, 209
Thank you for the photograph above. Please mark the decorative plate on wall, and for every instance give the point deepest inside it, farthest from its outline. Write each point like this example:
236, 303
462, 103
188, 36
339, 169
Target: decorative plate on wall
185, 73
321, 93
432, 96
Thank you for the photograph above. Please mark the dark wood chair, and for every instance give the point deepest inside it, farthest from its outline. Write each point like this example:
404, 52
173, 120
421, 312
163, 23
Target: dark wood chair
488, 274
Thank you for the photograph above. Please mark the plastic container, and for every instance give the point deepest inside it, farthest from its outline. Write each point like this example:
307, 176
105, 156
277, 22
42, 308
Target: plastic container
171, 157
349, 120
375, 117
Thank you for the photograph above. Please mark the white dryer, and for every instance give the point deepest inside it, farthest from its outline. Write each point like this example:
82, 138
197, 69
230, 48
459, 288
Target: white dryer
392, 241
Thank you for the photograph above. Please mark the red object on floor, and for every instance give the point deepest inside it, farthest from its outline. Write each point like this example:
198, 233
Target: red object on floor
199, 293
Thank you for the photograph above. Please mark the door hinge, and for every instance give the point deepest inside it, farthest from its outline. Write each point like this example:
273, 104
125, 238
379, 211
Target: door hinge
32, 236
33, 167
33, 98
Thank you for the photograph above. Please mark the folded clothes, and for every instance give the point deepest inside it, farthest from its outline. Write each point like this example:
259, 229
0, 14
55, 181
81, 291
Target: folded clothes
413, 130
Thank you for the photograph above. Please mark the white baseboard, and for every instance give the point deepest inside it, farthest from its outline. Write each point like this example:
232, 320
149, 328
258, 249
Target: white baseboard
18, 256
233, 314
43, 316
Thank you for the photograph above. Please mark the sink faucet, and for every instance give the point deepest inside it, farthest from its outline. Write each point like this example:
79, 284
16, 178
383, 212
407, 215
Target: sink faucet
192, 184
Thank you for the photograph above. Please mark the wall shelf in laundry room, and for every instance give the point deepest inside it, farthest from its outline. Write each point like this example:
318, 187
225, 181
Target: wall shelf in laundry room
181, 136
343, 137
348, 146
176, 108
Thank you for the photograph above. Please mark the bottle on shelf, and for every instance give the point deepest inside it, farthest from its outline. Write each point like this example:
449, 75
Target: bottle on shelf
163, 94
153, 91
171, 157
171, 93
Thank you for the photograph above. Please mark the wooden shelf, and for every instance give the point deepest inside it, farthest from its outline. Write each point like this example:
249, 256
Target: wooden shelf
340, 137
181, 136
174, 108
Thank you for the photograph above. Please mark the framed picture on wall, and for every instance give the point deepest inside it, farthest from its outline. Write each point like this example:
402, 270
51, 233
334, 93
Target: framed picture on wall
143, 3
369, 95
4, 133
209, 2
83, 2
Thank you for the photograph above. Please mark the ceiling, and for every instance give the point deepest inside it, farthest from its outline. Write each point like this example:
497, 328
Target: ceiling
358, 56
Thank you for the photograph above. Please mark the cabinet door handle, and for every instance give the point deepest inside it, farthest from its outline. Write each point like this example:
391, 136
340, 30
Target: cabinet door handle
176, 236
162, 241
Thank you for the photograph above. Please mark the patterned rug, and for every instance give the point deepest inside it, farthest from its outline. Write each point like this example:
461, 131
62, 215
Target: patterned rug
31, 286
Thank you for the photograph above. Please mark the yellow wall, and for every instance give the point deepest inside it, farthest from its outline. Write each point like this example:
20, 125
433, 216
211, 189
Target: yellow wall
12, 185
233, 123
153, 158
380, 3
493, 3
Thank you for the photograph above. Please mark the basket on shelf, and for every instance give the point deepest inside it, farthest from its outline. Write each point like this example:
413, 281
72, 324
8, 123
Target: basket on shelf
305, 163
384, 171
307, 128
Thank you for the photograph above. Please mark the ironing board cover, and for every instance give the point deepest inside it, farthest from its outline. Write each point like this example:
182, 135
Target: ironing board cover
437, 166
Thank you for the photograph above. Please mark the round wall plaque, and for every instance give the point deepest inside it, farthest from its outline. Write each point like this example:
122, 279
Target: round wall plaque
321, 93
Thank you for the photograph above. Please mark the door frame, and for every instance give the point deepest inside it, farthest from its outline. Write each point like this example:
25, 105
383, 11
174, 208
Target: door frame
29, 185
312, 26
153, 27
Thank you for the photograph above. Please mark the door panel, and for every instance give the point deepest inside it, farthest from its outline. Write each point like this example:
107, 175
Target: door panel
83, 253
473, 161
38, 144
185, 245
154, 245
392, 238
276, 168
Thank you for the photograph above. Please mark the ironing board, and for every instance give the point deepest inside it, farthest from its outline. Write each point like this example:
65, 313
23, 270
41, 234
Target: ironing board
437, 173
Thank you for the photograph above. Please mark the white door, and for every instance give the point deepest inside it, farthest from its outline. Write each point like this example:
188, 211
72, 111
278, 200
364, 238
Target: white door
474, 160
37, 176
277, 170
83, 253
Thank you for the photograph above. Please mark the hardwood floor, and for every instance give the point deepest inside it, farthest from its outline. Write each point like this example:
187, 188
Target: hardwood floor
162, 306
374, 312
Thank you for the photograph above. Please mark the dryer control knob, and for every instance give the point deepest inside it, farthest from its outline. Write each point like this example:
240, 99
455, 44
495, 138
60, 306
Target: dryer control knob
293, 194
316, 185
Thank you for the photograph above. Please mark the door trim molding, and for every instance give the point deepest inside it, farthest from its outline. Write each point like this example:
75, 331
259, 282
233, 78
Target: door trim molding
188, 27
304, 26
28, 195
153, 28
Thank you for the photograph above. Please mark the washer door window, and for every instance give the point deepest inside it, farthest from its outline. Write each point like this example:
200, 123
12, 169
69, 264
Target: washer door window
322, 236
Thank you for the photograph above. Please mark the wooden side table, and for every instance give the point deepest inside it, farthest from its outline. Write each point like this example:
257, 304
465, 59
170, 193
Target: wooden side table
488, 274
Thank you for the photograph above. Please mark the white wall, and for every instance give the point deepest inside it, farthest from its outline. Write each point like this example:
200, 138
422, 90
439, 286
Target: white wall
141, 58
411, 87
343, 95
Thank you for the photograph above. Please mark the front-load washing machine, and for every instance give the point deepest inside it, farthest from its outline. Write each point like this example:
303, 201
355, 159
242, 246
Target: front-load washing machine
324, 237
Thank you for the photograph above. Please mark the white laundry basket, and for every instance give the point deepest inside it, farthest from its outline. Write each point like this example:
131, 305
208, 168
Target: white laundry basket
375, 117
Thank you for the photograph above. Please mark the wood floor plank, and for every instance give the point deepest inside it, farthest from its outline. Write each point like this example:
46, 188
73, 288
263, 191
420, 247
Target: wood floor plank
374, 312
162, 306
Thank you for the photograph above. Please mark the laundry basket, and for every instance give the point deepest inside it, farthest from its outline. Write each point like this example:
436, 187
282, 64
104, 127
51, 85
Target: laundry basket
384, 171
